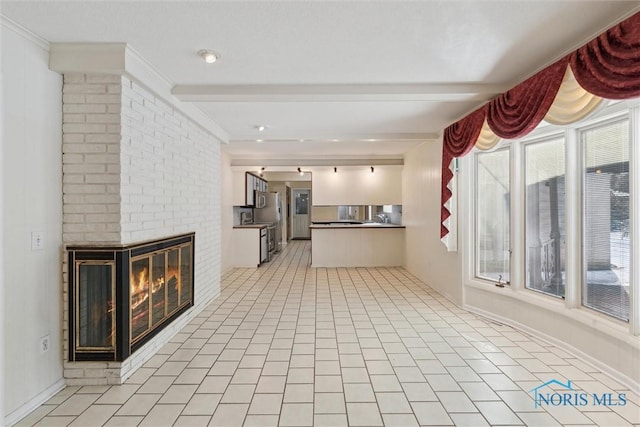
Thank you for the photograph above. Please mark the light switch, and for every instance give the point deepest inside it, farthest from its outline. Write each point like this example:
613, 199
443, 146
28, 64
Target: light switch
37, 240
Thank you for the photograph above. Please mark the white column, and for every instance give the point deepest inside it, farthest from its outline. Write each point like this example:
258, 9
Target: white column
573, 220
634, 223
517, 231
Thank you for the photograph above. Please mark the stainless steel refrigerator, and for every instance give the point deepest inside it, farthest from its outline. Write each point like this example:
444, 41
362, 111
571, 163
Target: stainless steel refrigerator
271, 213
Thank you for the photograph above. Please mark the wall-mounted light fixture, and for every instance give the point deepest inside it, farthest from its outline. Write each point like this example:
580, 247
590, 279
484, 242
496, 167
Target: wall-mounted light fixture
372, 169
335, 169
261, 171
300, 172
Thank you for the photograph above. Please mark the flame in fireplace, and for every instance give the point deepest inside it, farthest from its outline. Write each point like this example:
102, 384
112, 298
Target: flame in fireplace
139, 287
157, 284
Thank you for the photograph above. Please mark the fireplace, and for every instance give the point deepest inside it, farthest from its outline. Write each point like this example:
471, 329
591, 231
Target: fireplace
122, 296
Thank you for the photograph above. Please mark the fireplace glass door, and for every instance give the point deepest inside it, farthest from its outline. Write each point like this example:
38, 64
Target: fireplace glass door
160, 285
95, 294
139, 284
120, 297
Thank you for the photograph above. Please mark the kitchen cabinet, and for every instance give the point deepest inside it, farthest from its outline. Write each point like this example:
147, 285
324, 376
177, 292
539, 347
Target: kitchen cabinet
356, 185
244, 184
249, 198
249, 245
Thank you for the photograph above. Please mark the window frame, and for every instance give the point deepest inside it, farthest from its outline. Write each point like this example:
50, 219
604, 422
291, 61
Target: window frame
579, 132
503, 146
571, 306
548, 137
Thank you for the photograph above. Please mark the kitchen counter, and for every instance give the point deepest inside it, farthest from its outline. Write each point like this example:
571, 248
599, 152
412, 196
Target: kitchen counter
349, 224
250, 226
357, 245
249, 245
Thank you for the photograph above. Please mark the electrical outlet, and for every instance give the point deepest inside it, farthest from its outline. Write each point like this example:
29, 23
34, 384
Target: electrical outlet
44, 344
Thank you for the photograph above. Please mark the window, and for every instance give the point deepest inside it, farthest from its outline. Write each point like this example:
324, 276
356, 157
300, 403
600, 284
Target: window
492, 215
551, 215
606, 241
544, 216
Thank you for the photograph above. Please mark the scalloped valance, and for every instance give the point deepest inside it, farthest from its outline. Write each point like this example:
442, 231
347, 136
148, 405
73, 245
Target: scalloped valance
564, 92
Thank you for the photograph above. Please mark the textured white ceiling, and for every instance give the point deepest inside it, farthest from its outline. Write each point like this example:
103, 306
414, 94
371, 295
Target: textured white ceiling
470, 48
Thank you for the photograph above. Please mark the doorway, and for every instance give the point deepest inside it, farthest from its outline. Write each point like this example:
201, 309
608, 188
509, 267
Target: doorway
301, 213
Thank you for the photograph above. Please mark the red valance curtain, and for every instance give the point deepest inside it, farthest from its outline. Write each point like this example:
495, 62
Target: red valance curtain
519, 110
608, 66
458, 140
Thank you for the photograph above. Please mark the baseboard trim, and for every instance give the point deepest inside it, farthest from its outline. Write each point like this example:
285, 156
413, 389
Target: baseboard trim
606, 369
35, 402
26, 409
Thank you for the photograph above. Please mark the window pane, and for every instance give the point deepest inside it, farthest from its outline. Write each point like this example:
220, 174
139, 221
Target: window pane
545, 231
606, 219
492, 216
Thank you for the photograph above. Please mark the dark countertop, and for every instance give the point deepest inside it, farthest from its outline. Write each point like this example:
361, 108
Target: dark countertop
333, 225
251, 226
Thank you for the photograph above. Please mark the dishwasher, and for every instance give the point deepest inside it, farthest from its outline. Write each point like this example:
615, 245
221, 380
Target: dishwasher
264, 245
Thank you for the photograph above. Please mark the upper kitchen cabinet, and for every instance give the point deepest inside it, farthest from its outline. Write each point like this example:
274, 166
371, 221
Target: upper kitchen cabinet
357, 185
244, 186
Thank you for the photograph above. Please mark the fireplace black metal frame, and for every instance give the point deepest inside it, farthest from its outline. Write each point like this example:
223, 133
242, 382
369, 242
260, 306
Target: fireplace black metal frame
120, 257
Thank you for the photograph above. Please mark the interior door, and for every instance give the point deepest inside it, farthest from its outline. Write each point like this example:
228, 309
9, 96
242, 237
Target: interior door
301, 215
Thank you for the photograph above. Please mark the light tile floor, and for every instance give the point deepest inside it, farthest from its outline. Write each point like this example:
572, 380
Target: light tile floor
290, 345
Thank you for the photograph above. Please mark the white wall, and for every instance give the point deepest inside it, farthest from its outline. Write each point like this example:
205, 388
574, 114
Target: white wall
32, 176
2, 385
425, 256
356, 185
227, 211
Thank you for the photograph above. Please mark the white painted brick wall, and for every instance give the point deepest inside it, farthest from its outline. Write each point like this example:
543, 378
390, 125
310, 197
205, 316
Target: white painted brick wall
91, 157
136, 169
170, 181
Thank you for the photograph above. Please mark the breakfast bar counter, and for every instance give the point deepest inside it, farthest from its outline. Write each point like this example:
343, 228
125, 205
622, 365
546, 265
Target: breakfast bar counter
343, 244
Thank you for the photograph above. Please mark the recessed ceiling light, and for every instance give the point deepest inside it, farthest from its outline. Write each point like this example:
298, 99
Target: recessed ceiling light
261, 128
209, 56
259, 140
301, 140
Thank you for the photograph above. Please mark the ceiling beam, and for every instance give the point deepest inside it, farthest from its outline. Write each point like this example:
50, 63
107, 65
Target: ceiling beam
337, 93
338, 138
309, 162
